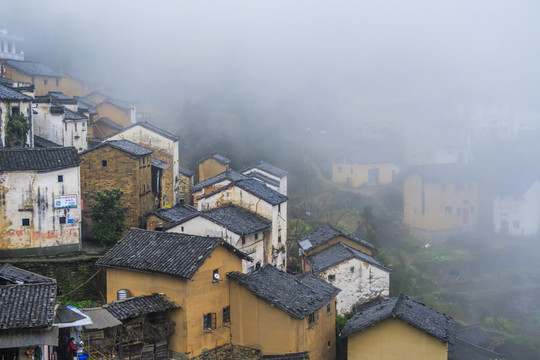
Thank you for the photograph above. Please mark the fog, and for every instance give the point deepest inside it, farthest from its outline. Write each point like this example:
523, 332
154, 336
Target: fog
309, 80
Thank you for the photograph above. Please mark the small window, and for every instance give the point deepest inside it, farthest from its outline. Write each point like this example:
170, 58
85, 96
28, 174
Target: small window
448, 210
279, 239
328, 307
329, 344
340, 169
182, 228
313, 318
244, 239
331, 277
209, 321
143, 160
256, 236
215, 275
226, 314
60, 178
45, 81
352, 269
33, 80
62, 220
26, 222
103, 162
57, 82
279, 208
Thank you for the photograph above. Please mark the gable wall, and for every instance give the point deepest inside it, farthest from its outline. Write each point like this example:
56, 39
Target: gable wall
210, 168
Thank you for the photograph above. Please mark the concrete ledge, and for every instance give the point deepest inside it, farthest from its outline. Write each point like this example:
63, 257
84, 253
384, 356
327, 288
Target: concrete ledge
45, 251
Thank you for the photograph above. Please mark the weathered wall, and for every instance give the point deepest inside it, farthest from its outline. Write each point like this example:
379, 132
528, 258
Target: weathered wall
437, 206
123, 171
164, 150
256, 323
231, 352
153, 222
276, 254
30, 195
394, 339
356, 175
47, 125
210, 168
5, 113
185, 184
75, 134
359, 282
73, 87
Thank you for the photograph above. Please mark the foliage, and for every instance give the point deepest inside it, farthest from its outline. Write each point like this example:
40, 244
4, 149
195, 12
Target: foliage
108, 215
78, 304
18, 127
341, 344
367, 224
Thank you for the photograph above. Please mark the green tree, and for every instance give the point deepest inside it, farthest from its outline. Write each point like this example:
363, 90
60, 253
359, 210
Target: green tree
17, 129
108, 215
366, 226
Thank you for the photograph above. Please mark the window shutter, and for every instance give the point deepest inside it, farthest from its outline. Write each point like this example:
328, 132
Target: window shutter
214, 320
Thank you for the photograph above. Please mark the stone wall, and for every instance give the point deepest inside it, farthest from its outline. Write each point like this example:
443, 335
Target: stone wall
231, 352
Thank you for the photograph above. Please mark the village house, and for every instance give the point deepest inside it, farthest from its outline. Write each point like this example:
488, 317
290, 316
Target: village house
399, 328
160, 218
347, 263
14, 106
185, 184
257, 198
274, 177
516, 207
280, 313
215, 183
118, 164
41, 200
118, 111
43, 78
191, 271
357, 173
211, 166
56, 118
246, 231
360, 276
440, 197
28, 303
72, 86
166, 148
8, 47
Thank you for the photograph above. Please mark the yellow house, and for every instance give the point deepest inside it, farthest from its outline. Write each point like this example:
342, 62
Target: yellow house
283, 314
212, 165
76, 87
191, 271
399, 328
356, 173
43, 78
440, 197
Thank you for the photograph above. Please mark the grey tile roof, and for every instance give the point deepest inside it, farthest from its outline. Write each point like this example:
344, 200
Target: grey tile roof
125, 146
326, 233
219, 158
70, 115
27, 306
44, 143
338, 253
473, 334
234, 218
185, 172
266, 167
298, 296
462, 350
101, 319
8, 93
119, 103
150, 127
139, 305
412, 312
176, 213
15, 275
109, 123
39, 159
159, 164
230, 175
59, 95
87, 103
262, 191
32, 68
177, 255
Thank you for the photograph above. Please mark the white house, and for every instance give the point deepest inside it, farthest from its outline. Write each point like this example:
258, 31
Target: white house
13, 102
257, 198
518, 213
274, 177
166, 148
40, 211
360, 276
246, 231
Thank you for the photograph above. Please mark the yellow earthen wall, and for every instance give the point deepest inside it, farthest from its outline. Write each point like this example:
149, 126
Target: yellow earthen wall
210, 168
40, 87
344, 240
394, 339
119, 116
358, 173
